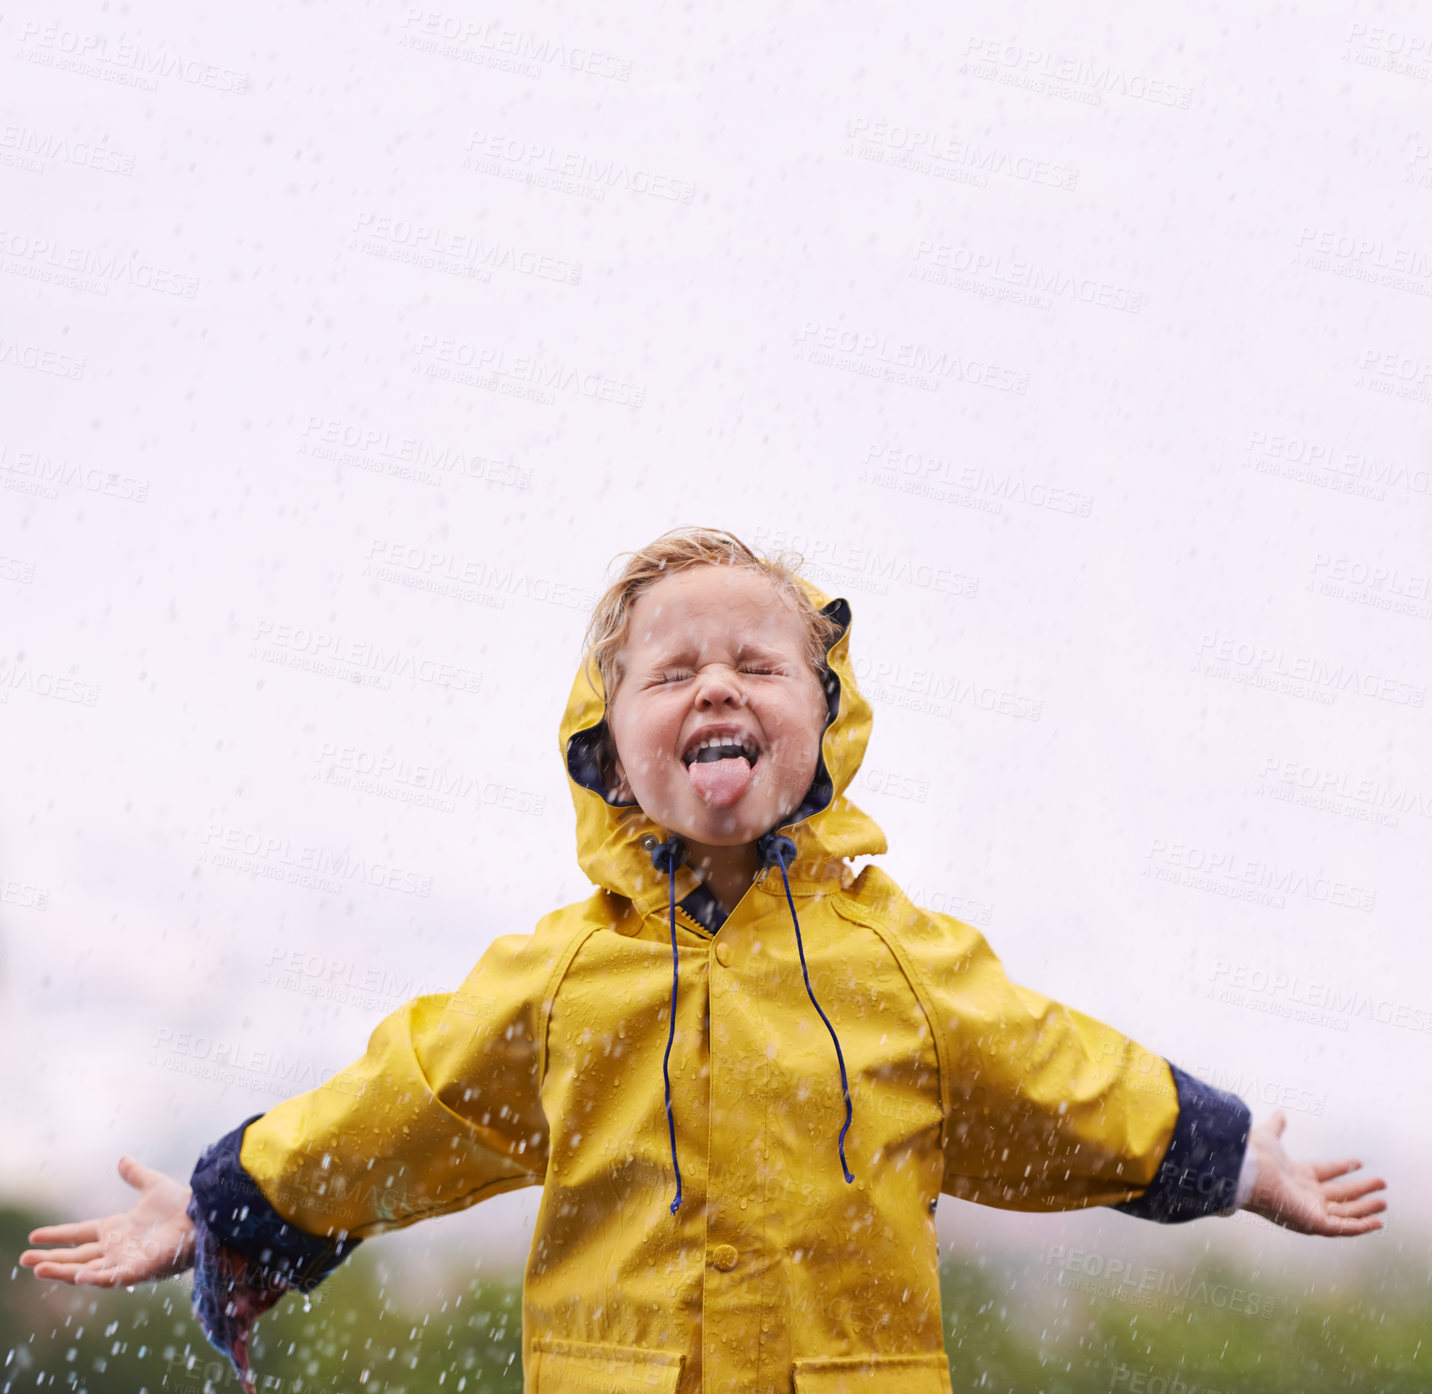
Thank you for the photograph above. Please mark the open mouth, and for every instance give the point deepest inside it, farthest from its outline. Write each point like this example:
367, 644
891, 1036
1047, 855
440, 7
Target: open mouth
723, 747
721, 765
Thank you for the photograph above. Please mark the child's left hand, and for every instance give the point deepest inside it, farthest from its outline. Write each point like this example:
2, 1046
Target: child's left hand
1307, 1196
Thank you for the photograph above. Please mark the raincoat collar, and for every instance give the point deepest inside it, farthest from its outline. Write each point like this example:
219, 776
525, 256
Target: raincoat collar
826, 829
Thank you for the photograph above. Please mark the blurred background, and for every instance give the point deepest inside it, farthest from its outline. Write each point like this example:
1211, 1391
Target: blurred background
345, 348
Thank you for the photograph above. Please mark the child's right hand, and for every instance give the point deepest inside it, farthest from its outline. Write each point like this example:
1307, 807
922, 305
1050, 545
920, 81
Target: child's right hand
152, 1240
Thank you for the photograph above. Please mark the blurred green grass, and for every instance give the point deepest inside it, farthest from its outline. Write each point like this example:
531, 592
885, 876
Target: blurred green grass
1010, 1326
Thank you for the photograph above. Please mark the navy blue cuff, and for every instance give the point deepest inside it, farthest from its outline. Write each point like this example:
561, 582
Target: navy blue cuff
1199, 1172
229, 1204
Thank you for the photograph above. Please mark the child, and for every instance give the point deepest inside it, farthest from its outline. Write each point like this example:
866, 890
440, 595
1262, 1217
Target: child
742, 1075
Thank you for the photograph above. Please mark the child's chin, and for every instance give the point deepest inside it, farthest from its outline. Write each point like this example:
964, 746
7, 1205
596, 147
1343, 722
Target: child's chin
733, 826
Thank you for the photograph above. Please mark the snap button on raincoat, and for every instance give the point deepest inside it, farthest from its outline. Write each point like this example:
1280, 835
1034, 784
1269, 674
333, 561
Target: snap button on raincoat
545, 1069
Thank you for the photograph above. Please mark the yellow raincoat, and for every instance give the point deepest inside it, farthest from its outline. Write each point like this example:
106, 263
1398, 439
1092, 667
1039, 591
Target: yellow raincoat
545, 1068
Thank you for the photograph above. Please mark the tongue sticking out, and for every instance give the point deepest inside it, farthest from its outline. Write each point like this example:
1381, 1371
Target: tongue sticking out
720, 782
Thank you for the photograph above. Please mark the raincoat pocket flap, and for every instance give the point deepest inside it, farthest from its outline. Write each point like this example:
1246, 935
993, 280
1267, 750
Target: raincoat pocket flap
585, 1367
875, 1374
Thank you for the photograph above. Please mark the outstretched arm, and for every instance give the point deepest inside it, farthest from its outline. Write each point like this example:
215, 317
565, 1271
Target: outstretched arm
153, 1239
1310, 1197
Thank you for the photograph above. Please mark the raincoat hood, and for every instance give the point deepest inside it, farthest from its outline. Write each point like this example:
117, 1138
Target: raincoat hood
826, 829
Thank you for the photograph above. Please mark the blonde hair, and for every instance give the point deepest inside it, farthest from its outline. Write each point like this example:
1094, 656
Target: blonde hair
681, 549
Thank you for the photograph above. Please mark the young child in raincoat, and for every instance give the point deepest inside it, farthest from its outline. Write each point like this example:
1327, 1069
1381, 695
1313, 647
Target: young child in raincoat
742, 1075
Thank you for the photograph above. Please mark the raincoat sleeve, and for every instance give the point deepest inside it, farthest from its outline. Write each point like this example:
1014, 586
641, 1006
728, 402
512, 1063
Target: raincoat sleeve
442, 1111
1049, 1109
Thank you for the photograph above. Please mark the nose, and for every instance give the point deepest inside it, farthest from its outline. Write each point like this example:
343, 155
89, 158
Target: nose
719, 686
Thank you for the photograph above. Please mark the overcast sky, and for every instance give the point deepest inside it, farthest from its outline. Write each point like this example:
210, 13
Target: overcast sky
344, 349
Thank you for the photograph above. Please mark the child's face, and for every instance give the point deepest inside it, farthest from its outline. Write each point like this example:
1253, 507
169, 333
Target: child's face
716, 651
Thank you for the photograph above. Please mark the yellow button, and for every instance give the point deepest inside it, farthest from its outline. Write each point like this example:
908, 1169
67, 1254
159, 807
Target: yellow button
723, 1256
723, 955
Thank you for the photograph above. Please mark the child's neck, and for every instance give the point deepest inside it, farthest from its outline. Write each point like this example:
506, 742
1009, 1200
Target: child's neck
727, 871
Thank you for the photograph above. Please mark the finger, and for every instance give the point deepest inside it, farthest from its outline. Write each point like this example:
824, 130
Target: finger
79, 1232
60, 1272
1278, 1122
1355, 1209
137, 1174
1325, 1171
95, 1275
83, 1254
1353, 1188
1343, 1229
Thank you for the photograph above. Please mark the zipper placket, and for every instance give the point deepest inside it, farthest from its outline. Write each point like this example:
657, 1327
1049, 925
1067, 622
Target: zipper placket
689, 921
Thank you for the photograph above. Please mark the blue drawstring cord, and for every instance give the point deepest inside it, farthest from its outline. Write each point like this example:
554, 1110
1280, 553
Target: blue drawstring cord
667, 856
777, 849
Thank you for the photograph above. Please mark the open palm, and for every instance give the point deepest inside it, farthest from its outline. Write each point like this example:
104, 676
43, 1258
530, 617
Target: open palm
151, 1240
1311, 1197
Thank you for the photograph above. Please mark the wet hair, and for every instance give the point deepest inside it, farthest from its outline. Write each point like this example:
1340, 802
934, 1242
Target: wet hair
682, 549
